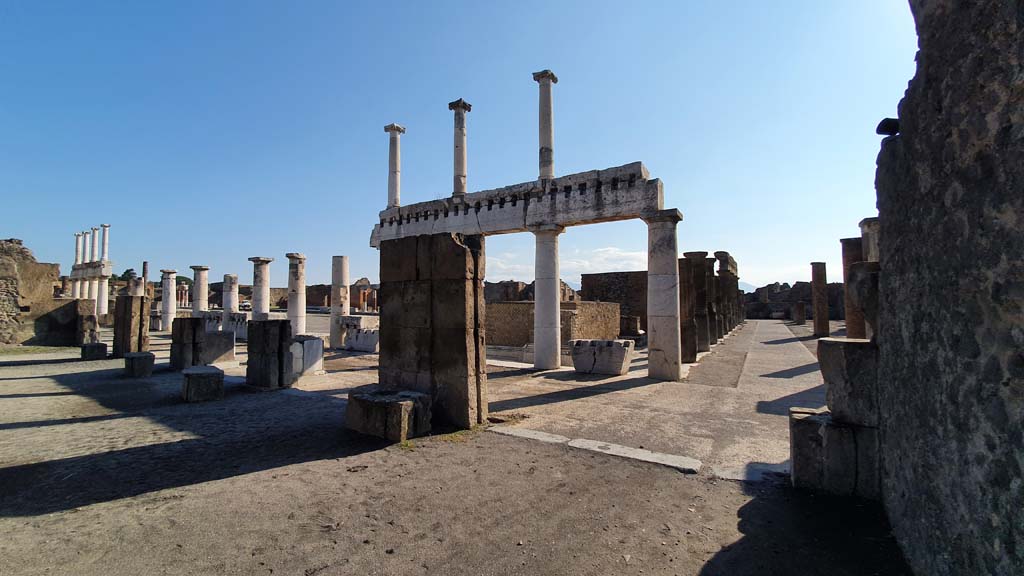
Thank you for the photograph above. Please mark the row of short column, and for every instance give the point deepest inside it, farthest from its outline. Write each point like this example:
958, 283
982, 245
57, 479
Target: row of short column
709, 303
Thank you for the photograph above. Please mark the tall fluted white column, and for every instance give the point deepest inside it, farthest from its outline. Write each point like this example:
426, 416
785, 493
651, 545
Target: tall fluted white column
169, 297
229, 298
200, 288
394, 164
547, 320
260, 287
78, 247
339, 299
95, 244
86, 247
102, 294
547, 124
297, 292
663, 329
105, 255
460, 107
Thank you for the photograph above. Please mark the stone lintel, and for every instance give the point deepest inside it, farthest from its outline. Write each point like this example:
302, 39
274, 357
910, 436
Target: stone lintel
460, 104
545, 75
395, 128
619, 193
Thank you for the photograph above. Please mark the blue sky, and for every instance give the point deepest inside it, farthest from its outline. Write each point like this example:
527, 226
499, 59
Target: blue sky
209, 132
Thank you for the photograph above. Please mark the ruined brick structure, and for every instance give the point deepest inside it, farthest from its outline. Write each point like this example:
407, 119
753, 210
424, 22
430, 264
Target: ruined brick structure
511, 323
627, 289
29, 314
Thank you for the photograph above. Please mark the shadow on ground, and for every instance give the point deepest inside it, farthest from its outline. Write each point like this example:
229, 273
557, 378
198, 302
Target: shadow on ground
787, 531
245, 432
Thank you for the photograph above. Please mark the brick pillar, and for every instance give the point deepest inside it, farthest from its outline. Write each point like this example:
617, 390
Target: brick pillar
852, 253
687, 305
819, 298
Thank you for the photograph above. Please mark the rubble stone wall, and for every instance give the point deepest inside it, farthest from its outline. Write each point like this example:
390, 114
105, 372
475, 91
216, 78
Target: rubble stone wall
26, 296
627, 289
951, 335
511, 323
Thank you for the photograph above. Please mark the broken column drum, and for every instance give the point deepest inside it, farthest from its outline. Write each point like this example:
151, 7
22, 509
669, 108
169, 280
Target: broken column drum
200, 289
260, 287
339, 299
168, 303
229, 298
297, 292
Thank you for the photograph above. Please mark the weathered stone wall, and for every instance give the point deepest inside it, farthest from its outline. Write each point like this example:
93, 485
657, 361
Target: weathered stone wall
951, 205
432, 323
628, 289
26, 296
511, 323
776, 300
514, 291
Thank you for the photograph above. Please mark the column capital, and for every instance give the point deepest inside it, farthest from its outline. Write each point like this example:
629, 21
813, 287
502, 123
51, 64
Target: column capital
200, 268
695, 255
261, 260
817, 263
545, 75
460, 104
671, 215
231, 277
722, 255
103, 226
169, 272
546, 229
394, 128
854, 241
296, 256
79, 234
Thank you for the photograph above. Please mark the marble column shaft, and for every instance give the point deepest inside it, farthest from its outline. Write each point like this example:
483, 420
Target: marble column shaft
105, 255
95, 252
260, 287
545, 79
460, 107
78, 247
168, 303
664, 343
102, 295
819, 296
394, 164
229, 299
547, 318
200, 289
339, 299
297, 292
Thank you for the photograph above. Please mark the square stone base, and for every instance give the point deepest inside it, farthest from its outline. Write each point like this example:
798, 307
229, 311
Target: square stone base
395, 415
833, 457
139, 364
94, 351
202, 383
307, 356
601, 356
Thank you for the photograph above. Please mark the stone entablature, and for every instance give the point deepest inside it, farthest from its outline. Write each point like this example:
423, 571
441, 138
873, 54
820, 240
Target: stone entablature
620, 193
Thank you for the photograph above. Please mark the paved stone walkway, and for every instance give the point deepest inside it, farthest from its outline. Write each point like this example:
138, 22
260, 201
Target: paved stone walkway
731, 412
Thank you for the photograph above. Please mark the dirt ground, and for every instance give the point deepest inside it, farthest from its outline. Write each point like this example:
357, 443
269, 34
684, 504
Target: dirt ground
104, 475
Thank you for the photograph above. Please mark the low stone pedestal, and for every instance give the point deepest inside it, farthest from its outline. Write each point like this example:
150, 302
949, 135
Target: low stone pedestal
202, 383
833, 457
601, 356
396, 415
363, 340
850, 369
94, 351
270, 355
307, 356
139, 364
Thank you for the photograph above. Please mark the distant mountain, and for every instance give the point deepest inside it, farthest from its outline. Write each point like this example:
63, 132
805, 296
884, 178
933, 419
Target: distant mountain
747, 287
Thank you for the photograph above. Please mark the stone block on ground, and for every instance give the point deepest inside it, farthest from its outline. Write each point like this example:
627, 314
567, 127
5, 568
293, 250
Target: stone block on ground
601, 356
202, 383
139, 364
362, 340
94, 351
805, 447
850, 369
307, 355
839, 459
395, 415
